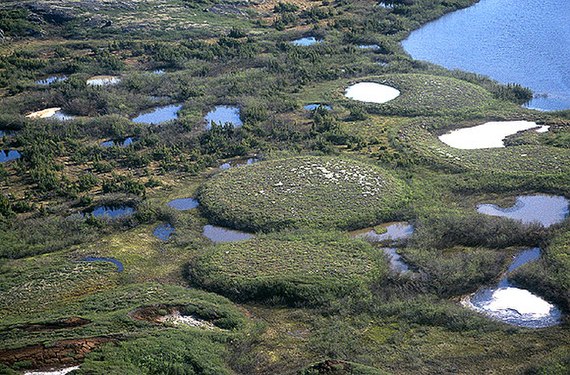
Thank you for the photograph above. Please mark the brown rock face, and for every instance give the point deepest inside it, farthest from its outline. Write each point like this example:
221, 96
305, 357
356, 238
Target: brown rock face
65, 352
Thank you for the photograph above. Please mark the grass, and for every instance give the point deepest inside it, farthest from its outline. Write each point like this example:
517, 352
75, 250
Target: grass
318, 192
306, 267
422, 94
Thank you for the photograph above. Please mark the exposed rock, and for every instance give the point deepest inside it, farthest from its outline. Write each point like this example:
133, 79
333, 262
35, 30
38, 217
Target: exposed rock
63, 352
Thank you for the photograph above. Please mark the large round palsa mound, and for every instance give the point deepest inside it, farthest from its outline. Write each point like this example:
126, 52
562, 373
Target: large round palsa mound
310, 191
308, 267
422, 94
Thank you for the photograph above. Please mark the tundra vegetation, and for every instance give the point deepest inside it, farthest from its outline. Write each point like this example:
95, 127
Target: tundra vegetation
301, 296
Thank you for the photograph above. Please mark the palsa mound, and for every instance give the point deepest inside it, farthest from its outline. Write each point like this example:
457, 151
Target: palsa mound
309, 267
318, 192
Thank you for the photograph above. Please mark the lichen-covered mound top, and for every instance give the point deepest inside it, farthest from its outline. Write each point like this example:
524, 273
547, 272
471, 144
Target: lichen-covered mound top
318, 192
292, 267
428, 94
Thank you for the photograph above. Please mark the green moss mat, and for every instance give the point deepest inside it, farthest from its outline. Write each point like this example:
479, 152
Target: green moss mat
318, 192
308, 267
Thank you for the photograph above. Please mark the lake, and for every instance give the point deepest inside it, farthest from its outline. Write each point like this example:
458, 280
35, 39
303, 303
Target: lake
525, 42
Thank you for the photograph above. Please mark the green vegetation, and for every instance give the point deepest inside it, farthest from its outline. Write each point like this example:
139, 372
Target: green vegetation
305, 298
422, 94
304, 267
319, 192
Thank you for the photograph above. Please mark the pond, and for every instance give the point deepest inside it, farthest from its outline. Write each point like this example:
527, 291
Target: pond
313, 106
306, 41
9, 155
523, 42
541, 208
220, 235
386, 232
373, 47
163, 231
116, 262
513, 305
103, 80
51, 79
238, 163
53, 113
159, 115
487, 135
396, 262
121, 143
112, 211
183, 204
371, 92
223, 114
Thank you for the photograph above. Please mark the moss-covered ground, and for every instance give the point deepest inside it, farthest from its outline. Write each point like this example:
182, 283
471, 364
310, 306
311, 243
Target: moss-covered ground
319, 192
305, 298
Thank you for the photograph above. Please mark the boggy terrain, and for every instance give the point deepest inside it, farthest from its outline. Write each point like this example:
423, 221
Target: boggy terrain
87, 280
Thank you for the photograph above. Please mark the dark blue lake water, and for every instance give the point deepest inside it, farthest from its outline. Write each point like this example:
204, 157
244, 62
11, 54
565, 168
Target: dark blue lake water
524, 41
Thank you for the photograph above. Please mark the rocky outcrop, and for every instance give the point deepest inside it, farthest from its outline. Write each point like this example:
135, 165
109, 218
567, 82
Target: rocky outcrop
62, 353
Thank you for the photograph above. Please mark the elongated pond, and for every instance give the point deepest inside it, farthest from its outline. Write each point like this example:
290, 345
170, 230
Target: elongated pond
306, 41
523, 42
159, 115
487, 135
220, 235
112, 211
183, 204
541, 208
117, 263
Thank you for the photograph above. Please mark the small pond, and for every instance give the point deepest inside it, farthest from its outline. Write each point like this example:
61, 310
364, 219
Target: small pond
306, 41
313, 106
238, 163
371, 92
159, 115
163, 231
220, 235
396, 262
112, 212
159, 71
513, 305
183, 204
223, 114
51, 79
62, 371
103, 80
487, 135
121, 143
9, 155
53, 113
116, 262
373, 47
544, 209
388, 232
